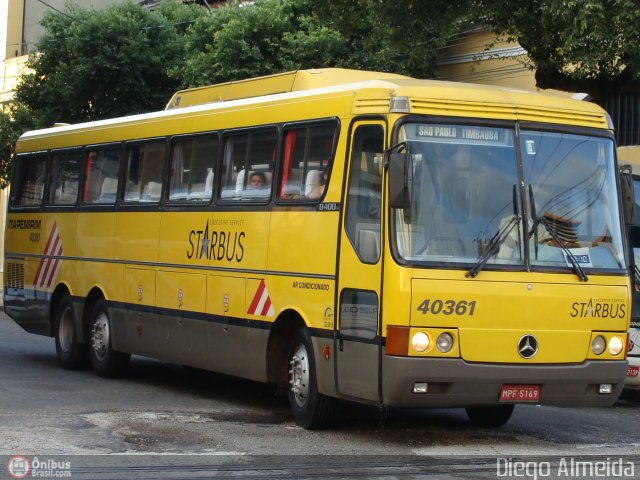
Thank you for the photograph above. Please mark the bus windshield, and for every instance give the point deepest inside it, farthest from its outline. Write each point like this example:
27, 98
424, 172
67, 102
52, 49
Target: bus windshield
467, 198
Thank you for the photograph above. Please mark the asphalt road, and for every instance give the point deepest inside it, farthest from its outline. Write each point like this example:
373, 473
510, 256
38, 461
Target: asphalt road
163, 421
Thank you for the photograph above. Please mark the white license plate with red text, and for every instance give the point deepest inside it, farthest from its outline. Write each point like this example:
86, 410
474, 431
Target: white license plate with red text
520, 393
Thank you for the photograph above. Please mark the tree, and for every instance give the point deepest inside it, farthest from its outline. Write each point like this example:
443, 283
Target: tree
403, 36
93, 64
588, 46
12, 125
270, 36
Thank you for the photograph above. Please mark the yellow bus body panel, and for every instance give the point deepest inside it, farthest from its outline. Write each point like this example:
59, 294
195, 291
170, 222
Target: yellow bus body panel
556, 308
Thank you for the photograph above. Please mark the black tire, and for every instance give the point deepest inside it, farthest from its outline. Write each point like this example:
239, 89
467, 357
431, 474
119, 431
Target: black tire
310, 409
71, 354
630, 394
490, 417
105, 360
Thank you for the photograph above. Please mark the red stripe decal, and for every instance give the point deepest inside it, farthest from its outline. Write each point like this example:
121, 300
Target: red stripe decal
267, 306
256, 298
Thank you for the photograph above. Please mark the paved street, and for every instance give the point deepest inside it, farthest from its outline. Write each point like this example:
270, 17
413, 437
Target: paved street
164, 409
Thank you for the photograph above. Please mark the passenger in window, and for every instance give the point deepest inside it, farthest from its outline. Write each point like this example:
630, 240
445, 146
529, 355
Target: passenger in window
257, 181
316, 184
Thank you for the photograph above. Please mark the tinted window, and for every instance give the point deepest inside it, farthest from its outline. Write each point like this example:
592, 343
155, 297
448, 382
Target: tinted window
144, 172
65, 177
31, 178
306, 160
193, 163
363, 197
101, 175
248, 166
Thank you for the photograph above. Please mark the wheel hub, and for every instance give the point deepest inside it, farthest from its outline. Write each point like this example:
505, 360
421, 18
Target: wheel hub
299, 375
65, 330
100, 336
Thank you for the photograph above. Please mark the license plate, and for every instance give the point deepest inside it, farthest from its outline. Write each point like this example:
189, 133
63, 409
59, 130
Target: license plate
520, 393
632, 371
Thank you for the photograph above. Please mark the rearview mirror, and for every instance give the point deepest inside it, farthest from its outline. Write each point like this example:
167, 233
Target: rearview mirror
400, 180
628, 195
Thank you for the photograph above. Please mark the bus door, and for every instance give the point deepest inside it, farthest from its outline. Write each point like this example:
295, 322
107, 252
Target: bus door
358, 339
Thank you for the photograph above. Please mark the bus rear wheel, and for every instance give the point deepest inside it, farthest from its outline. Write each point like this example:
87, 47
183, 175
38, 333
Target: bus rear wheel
106, 361
71, 354
490, 417
311, 410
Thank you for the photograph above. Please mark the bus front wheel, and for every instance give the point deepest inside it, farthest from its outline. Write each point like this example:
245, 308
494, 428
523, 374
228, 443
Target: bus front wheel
311, 410
71, 354
106, 361
490, 417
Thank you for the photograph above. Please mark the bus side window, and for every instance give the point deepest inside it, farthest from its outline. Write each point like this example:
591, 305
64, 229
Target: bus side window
65, 177
145, 162
101, 168
31, 176
193, 163
247, 167
362, 221
306, 162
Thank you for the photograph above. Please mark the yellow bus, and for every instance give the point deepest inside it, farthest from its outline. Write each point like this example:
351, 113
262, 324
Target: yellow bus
347, 235
629, 158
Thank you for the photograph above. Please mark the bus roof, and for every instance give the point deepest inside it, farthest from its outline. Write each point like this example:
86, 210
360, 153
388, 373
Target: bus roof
325, 93
271, 84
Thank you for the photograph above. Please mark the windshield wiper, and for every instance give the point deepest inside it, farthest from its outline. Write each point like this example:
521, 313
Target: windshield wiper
498, 239
551, 231
493, 246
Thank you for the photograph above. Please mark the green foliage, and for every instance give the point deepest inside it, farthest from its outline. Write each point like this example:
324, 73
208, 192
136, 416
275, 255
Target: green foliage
127, 59
99, 64
12, 125
271, 36
403, 36
580, 45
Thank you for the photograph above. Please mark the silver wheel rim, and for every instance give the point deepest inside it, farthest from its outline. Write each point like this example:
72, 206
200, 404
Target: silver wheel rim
100, 336
299, 375
65, 330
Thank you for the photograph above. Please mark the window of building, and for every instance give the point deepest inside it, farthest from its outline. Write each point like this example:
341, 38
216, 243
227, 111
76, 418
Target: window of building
193, 163
143, 182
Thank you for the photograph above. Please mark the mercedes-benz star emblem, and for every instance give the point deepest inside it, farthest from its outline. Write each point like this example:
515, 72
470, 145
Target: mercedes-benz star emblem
527, 346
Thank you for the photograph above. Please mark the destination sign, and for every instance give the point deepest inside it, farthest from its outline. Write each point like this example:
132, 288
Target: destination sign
463, 134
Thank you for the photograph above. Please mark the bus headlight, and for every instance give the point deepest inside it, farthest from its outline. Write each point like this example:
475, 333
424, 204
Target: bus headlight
598, 345
615, 345
420, 341
444, 342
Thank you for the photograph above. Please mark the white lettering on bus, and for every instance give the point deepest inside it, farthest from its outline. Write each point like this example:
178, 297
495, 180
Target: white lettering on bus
477, 134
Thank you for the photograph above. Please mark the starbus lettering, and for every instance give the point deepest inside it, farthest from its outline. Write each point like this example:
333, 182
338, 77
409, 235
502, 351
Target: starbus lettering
597, 309
216, 245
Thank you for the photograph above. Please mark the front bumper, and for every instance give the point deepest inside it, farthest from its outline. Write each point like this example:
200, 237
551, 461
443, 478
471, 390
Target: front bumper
456, 383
